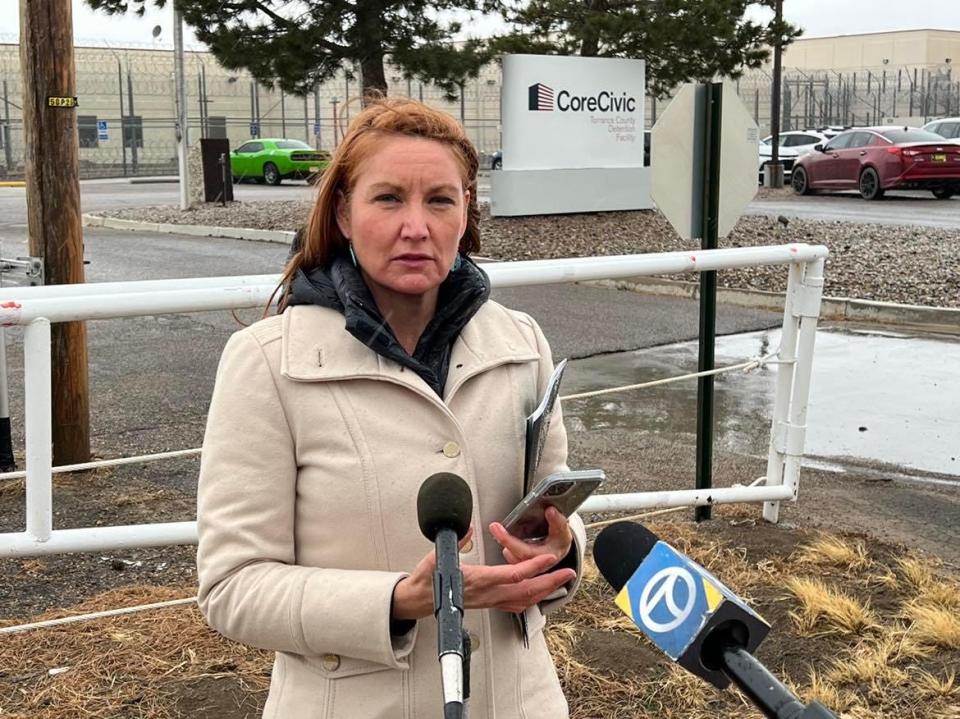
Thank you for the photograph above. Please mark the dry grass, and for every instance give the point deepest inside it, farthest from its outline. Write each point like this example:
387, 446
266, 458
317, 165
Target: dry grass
934, 687
827, 610
917, 572
821, 689
895, 658
869, 663
592, 691
933, 625
884, 578
942, 594
835, 551
679, 688
124, 666
13, 488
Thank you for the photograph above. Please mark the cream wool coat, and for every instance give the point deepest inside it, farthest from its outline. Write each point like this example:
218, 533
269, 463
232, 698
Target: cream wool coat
314, 452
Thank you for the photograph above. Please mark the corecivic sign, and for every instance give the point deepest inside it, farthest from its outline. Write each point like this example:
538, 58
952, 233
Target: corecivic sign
541, 98
562, 112
572, 135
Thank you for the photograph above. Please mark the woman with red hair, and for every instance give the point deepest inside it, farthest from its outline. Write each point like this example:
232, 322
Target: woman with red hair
387, 363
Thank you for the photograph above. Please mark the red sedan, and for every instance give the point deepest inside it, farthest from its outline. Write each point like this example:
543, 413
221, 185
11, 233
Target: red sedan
876, 159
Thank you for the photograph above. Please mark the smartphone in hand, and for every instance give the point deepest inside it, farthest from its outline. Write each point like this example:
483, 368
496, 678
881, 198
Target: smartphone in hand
564, 490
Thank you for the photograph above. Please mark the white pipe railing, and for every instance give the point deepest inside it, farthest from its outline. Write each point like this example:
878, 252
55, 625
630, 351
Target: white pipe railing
136, 286
98, 539
115, 462
789, 424
38, 423
35, 308
99, 300
685, 498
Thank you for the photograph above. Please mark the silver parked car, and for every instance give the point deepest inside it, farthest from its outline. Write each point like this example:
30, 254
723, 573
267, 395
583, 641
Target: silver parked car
947, 127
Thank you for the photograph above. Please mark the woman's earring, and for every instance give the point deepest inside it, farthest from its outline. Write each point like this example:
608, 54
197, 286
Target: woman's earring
353, 256
457, 263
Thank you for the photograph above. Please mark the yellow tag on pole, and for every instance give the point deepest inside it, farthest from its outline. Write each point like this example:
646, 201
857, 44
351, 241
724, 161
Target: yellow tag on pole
62, 102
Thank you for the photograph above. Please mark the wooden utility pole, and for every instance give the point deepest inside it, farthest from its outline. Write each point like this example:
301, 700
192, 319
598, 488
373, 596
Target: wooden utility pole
53, 203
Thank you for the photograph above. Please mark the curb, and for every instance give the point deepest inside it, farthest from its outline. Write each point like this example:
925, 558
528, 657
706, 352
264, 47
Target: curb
154, 180
838, 309
13, 183
233, 233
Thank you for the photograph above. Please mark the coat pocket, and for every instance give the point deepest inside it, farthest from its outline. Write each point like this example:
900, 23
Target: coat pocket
336, 666
348, 688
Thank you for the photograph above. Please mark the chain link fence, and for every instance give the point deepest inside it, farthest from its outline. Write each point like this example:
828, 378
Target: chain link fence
127, 105
870, 96
126, 117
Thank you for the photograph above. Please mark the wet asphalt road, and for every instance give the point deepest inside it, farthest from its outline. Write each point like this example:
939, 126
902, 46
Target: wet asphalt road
896, 208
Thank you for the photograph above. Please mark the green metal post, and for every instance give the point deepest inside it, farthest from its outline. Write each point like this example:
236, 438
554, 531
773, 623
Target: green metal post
712, 109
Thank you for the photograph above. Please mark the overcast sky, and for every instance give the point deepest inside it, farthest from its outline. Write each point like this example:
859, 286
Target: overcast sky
817, 17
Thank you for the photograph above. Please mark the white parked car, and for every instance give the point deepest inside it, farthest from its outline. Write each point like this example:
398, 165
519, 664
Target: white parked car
786, 155
947, 127
800, 141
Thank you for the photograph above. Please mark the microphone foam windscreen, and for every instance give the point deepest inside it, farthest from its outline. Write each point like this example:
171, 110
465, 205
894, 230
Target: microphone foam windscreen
619, 549
444, 501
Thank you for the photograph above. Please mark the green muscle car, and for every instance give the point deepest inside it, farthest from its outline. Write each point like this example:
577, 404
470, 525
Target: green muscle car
272, 160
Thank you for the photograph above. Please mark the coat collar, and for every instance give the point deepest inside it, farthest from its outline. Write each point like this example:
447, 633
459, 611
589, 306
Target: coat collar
316, 348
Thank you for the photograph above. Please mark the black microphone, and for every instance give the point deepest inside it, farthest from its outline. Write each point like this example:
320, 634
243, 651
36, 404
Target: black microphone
444, 509
692, 617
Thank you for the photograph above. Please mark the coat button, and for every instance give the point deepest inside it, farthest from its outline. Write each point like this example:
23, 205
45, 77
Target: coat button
331, 662
451, 450
467, 548
474, 642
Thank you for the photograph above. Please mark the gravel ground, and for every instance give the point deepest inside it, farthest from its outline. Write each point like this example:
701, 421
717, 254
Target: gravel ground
910, 265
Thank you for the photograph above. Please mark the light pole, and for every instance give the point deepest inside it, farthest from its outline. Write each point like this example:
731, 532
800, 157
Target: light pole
202, 95
949, 103
318, 141
773, 176
123, 139
181, 124
136, 130
334, 102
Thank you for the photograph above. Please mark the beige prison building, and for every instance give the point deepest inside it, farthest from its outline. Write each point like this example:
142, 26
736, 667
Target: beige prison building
127, 110
875, 51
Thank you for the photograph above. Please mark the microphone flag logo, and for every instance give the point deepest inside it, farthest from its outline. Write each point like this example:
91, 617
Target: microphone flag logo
669, 599
663, 588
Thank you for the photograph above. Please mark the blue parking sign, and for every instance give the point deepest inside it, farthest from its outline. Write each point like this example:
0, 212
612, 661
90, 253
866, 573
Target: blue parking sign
254, 129
316, 129
102, 130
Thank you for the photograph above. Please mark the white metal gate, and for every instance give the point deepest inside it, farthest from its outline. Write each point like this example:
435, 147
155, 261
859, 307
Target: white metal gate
35, 308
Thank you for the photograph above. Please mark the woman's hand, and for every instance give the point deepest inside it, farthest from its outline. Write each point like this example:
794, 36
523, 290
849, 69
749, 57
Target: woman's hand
508, 587
557, 544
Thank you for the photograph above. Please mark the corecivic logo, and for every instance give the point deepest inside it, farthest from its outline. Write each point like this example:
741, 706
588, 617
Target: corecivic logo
541, 98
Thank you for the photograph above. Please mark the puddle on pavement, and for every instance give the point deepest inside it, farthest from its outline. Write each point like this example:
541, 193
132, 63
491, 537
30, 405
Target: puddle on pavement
875, 397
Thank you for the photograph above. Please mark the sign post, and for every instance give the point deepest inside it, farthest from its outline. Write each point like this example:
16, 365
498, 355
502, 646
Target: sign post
704, 173
711, 110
